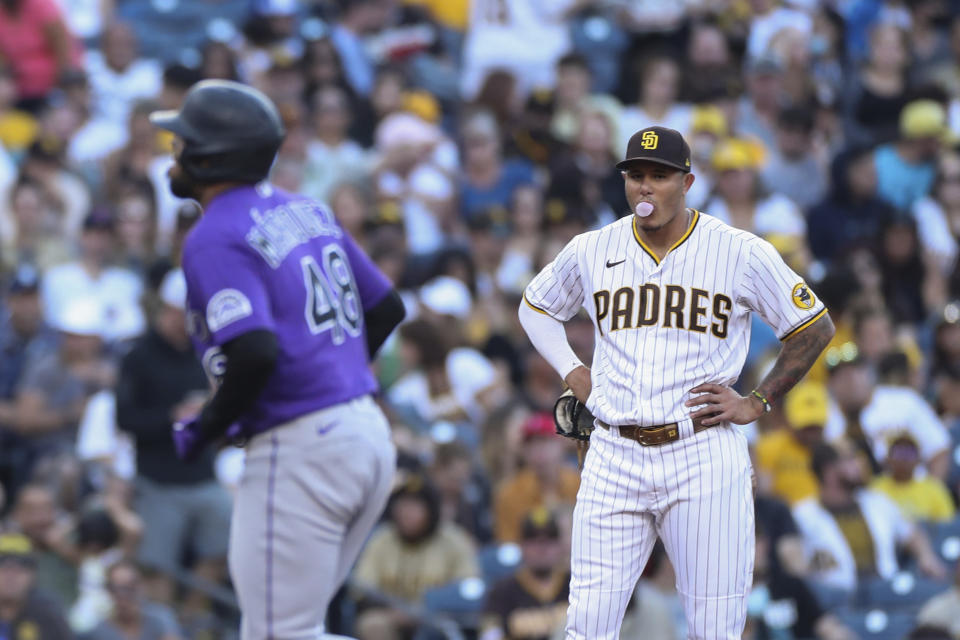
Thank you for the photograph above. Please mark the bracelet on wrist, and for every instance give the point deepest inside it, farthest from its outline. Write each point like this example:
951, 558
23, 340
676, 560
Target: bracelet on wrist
763, 400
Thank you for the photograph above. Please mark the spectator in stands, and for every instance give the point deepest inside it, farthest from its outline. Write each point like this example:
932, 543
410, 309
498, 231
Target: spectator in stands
740, 200
780, 602
28, 229
37, 516
412, 551
136, 226
585, 179
895, 409
546, 480
946, 74
24, 338
488, 179
709, 63
783, 456
852, 214
358, 19
852, 532
25, 611
757, 111
51, 394
131, 616
572, 97
873, 333
321, 64
91, 277
851, 382
906, 167
103, 535
464, 498
941, 611
219, 61
786, 549
118, 77
920, 497
332, 156
902, 266
135, 159
532, 603
34, 40
181, 504
880, 90
938, 217
657, 103
69, 196
792, 168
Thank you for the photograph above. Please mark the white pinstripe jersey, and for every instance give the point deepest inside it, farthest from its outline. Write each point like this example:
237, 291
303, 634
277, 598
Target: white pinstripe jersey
663, 326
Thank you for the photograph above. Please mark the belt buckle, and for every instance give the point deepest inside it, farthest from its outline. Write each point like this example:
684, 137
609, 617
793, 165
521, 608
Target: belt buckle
660, 435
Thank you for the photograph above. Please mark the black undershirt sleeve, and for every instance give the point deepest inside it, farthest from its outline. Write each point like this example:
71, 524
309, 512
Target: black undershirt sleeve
381, 319
251, 358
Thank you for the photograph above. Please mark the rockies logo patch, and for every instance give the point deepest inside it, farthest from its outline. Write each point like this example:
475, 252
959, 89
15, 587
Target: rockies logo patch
802, 297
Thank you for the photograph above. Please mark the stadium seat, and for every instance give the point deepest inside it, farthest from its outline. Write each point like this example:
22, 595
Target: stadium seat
461, 601
945, 540
905, 590
876, 624
830, 598
499, 561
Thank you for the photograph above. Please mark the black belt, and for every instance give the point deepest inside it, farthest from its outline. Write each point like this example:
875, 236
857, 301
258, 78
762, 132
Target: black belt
659, 434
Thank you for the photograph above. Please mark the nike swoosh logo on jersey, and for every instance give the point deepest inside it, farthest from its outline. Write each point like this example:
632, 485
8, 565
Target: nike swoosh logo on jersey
326, 428
613, 264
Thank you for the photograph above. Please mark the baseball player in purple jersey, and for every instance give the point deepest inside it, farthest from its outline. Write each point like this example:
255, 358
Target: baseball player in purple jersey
285, 312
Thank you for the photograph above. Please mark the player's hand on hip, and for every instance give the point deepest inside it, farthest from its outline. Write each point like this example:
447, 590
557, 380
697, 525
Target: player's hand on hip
721, 404
579, 382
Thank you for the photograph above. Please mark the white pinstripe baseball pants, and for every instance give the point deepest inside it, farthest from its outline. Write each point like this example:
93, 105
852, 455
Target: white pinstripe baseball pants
696, 495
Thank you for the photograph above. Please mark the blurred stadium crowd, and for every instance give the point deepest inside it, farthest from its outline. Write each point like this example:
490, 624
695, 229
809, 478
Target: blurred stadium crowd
463, 143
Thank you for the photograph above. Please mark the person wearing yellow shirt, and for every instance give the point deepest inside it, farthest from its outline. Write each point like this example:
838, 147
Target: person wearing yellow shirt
920, 498
783, 456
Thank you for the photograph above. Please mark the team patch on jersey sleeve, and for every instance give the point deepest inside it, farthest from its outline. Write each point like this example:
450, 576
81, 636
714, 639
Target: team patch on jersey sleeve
226, 307
802, 296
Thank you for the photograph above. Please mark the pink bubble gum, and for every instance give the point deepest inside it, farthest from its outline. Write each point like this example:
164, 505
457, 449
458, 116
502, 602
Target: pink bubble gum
644, 209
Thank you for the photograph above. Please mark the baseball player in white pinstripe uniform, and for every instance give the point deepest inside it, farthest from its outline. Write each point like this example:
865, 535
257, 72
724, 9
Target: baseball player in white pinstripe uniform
670, 291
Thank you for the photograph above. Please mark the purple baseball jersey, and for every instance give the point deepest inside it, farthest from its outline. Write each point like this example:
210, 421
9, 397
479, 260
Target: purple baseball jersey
262, 258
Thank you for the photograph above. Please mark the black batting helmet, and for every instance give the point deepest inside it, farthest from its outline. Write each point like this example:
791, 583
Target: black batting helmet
231, 132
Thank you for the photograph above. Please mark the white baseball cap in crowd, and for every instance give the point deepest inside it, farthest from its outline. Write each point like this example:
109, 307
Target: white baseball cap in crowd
173, 289
446, 295
405, 129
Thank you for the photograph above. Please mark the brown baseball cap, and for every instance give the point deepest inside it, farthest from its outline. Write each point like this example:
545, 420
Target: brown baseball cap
657, 144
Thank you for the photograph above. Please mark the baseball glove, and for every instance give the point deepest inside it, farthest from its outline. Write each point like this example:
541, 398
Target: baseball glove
572, 418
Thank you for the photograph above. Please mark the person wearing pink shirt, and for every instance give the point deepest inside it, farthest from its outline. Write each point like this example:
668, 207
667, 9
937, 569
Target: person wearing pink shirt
35, 43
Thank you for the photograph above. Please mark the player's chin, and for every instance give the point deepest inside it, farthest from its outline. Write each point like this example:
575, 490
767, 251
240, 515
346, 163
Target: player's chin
649, 225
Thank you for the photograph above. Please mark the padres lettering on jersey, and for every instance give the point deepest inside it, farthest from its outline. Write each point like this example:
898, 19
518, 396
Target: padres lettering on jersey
689, 309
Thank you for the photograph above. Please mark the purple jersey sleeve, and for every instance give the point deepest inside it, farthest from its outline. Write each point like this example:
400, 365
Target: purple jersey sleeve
223, 281
371, 282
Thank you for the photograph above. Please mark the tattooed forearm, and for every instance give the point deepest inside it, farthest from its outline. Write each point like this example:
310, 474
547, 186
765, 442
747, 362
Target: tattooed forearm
797, 355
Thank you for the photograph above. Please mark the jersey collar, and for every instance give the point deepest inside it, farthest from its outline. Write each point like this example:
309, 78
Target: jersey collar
683, 238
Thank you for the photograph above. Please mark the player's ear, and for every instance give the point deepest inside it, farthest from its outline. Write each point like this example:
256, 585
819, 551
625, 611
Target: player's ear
688, 181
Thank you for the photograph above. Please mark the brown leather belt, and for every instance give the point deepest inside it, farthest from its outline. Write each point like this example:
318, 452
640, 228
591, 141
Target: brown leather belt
653, 436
